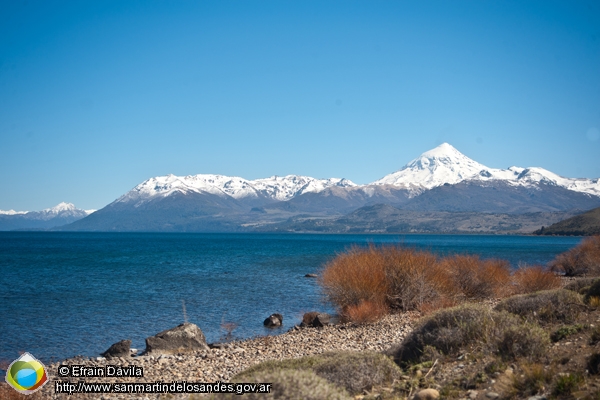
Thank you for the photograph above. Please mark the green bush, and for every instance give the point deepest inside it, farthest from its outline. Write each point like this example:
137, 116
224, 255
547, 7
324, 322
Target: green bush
291, 384
453, 329
356, 372
565, 331
547, 306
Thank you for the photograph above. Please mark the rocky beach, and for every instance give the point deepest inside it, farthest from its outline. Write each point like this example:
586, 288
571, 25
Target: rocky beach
221, 362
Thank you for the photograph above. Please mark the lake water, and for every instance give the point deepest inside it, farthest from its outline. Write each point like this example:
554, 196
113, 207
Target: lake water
64, 294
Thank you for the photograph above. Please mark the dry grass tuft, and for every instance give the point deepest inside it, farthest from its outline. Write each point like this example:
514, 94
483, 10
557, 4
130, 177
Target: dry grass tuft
534, 379
581, 260
534, 279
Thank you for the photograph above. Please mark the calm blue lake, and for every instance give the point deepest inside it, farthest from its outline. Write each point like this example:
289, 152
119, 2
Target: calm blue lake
64, 294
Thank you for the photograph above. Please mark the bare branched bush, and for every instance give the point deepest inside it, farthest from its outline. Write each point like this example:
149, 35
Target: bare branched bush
414, 278
533, 279
581, 260
478, 279
355, 276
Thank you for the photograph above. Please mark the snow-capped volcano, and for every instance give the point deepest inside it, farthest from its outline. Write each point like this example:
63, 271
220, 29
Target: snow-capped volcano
275, 188
443, 164
446, 165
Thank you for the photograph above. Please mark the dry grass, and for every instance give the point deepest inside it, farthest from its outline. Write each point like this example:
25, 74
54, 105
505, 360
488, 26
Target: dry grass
474, 278
365, 312
534, 279
581, 260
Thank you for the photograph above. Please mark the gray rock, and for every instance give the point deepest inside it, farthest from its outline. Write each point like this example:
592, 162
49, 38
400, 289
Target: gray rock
273, 321
183, 338
119, 349
492, 395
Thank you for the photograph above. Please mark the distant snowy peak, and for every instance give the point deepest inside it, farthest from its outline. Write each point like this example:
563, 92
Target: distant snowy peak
61, 209
276, 187
12, 212
444, 164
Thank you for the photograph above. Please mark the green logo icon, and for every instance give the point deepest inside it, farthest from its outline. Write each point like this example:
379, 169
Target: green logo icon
26, 374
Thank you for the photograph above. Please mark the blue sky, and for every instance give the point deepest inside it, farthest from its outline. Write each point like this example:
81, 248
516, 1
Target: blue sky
96, 97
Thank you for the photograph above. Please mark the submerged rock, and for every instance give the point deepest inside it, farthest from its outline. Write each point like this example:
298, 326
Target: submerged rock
273, 320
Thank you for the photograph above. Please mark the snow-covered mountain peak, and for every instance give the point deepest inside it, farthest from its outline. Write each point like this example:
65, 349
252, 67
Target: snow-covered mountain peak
443, 164
60, 207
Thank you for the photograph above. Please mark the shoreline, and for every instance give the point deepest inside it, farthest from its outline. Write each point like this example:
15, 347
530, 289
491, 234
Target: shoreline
220, 364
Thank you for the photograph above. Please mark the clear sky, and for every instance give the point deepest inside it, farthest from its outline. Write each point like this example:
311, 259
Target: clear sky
98, 96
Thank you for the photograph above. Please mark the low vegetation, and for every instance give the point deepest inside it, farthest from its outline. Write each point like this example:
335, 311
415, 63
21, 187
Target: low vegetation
471, 327
543, 344
355, 372
292, 384
549, 306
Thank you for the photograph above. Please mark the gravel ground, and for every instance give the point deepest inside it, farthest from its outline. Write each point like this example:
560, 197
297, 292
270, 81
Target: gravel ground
220, 364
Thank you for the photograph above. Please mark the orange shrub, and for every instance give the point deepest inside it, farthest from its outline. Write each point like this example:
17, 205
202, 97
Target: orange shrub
365, 312
534, 279
414, 277
355, 276
581, 260
396, 277
473, 278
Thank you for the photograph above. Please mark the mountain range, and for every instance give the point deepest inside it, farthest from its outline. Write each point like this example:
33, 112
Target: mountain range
441, 182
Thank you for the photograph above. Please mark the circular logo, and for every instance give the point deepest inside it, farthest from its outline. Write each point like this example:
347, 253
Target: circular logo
26, 374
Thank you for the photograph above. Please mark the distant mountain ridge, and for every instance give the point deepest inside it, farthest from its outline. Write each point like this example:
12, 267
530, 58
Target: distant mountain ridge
61, 214
439, 180
585, 224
